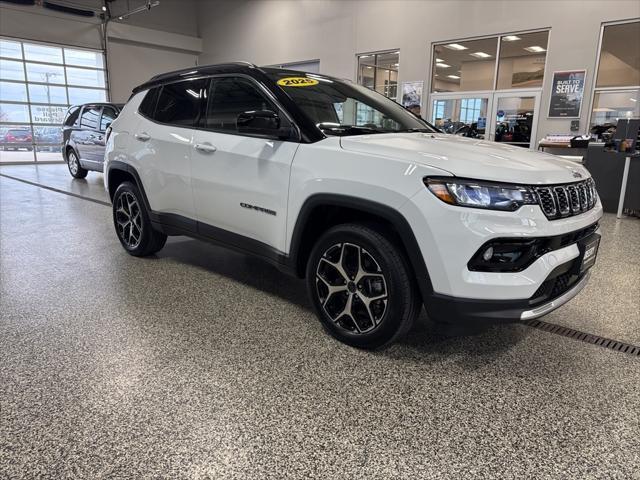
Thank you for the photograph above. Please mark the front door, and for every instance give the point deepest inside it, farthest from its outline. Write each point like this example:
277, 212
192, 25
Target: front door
240, 183
514, 119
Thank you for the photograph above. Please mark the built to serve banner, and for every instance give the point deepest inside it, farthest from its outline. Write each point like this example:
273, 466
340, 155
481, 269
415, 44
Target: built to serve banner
567, 90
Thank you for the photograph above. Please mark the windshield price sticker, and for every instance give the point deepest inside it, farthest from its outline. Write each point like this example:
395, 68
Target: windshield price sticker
297, 82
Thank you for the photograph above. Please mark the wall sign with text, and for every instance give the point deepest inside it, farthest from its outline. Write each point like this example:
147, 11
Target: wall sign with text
567, 91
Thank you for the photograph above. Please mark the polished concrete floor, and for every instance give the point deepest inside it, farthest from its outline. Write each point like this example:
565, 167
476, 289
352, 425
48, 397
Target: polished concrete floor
202, 363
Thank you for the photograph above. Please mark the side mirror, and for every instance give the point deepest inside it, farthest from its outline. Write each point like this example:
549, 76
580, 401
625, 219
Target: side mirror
261, 122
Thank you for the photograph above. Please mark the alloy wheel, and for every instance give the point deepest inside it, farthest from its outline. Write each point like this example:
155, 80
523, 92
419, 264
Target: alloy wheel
73, 163
129, 220
352, 288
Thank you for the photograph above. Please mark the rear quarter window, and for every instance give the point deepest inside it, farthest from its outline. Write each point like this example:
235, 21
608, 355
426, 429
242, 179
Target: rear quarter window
148, 105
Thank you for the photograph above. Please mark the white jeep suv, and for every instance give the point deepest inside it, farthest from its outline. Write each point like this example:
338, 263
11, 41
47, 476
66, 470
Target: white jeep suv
332, 182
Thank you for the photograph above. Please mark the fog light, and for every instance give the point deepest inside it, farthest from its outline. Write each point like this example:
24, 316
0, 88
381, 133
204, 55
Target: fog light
488, 253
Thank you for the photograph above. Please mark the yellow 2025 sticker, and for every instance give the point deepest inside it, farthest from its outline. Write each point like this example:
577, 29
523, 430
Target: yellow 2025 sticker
297, 82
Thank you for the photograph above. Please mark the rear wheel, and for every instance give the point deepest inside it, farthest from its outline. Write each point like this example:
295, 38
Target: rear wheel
132, 222
73, 163
360, 286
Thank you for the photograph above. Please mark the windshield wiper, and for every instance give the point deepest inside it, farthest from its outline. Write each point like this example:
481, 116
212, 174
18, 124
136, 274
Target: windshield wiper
337, 129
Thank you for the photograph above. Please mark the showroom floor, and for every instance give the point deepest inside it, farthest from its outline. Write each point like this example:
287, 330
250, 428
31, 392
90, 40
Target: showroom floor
202, 363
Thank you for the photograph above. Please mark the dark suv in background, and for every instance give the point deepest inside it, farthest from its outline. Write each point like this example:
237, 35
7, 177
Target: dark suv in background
83, 136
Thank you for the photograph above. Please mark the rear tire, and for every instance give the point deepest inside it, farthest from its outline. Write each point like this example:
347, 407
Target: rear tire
73, 164
133, 224
361, 287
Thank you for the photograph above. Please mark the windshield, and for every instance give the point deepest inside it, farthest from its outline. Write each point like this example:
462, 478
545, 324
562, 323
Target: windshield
344, 108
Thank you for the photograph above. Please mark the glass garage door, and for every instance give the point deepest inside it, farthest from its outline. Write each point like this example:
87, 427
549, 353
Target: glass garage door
38, 82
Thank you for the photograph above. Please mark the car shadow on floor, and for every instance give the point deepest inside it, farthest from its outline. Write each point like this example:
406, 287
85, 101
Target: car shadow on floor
424, 338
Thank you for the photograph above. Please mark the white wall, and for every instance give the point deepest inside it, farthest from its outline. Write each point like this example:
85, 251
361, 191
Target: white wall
135, 53
279, 31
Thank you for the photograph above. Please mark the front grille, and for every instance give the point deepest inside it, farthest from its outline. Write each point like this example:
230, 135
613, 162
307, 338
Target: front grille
561, 201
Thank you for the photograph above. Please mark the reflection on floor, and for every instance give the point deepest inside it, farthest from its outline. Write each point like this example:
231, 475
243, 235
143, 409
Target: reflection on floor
201, 363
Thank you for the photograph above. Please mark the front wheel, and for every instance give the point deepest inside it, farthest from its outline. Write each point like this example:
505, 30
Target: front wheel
73, 163
360, 286
132, 222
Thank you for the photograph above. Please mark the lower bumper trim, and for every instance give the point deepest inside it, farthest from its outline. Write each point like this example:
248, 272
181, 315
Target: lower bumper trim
557, 302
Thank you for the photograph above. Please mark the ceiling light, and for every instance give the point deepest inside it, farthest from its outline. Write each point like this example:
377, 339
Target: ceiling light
365, 56
511, 38
442, 65
480, 55
439, 60
104, 9
397, 53
369, 67
455, 77
633, 99
455, 46
120, 18
535, 49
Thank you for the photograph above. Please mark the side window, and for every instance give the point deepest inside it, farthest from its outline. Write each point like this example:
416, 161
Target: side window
148, 105
108, 115
231, 96
90, 116
179, 103
72, 119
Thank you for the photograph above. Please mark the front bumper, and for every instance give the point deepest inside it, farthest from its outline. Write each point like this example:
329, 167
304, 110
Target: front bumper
450, 236
473, 312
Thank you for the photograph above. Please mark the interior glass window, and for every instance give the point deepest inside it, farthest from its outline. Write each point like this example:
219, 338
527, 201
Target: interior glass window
379, 72
619, 64
464, 66
231, 96
90, 116
522, 60
179, 103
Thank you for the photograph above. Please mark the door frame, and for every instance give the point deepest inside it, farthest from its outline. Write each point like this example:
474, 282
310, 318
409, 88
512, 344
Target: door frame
498, 94
493, 96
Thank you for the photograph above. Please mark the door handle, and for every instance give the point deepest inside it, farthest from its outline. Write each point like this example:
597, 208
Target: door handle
205, 147
142, 136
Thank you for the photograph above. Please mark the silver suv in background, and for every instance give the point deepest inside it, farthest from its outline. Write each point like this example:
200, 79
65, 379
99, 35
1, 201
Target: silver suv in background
84, 136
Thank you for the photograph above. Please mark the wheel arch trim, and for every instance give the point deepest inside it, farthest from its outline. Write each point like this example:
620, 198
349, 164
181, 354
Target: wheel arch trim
385, 212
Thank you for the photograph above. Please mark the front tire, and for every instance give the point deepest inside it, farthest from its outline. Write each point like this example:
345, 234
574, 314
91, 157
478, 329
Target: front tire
73, 163
360, 286
132, 222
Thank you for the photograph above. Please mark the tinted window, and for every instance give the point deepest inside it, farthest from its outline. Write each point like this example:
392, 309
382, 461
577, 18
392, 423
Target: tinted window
72, 117
229, 97
179, 103
90, 116
108, 115
148, 104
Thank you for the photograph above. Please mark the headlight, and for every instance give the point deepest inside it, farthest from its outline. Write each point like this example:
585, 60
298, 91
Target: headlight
481, 194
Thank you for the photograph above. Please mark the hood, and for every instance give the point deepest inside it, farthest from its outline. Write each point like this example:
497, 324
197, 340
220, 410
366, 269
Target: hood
470, 158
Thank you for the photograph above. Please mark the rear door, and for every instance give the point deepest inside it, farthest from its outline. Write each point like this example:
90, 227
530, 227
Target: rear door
108, 115
162, 148
240, 182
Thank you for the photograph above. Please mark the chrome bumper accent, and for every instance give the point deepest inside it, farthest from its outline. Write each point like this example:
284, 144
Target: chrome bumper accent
558, 302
